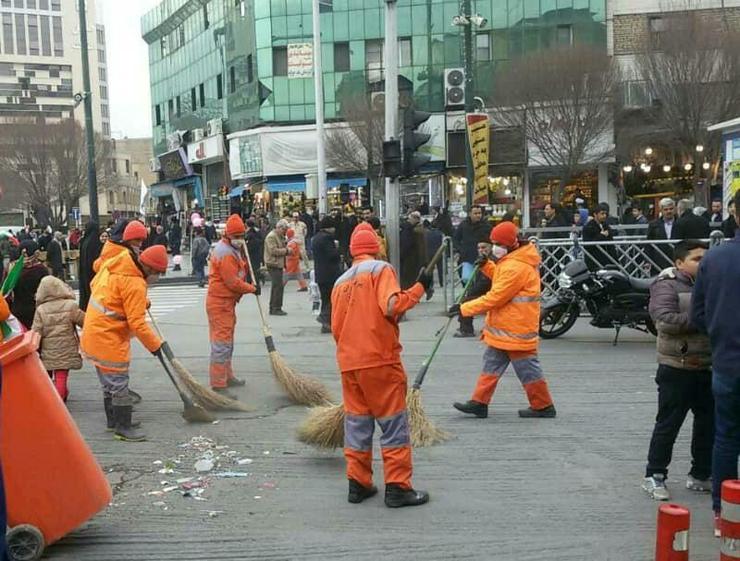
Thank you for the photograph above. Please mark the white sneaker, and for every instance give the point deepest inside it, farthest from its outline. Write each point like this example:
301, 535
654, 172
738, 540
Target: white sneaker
699, 485
655, 487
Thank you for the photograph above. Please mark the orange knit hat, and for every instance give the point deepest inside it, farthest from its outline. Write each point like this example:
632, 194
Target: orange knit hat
505, 234
364, 242
135, 230
235, 225
155, 257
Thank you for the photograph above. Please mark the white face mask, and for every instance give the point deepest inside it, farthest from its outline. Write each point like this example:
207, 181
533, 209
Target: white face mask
498, 252
151, 279
237, 244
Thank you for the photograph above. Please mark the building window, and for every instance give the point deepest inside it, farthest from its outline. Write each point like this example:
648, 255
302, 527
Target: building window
31, 4
5, 4
202, 91
181, 33
56, 5
657, 27
8, 34
33, 35
374, 59
404, 51
103, 92
20, 33
128, 167
280, 61
100, 36
178, 105
482, 47
43, 4
136, 176
250, 70
157, 115
232, 79
106, 129
564, 35
104, 112
45, 36
193, 99
206, 23
220, 86
18, 3
102, 74
635, 94
53, 73
341, 57
170, 108
56, 24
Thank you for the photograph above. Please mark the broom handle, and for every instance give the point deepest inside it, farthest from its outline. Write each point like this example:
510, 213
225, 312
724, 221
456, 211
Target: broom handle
434, 260
168, 353
265, 328
427, 361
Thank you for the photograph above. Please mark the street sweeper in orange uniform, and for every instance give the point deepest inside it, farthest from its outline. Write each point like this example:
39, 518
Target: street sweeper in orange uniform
228, 272
366, 304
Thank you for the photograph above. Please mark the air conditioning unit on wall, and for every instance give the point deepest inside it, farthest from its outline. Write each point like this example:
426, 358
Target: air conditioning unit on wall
154, 165
214, 127
198, 135
454, 87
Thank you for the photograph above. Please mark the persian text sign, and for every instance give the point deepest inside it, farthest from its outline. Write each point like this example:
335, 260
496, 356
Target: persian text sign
479, 139
300, 60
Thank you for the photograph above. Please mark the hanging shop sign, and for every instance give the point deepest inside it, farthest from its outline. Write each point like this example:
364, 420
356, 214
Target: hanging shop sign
175, 164
300, 60
207, 150
479, 139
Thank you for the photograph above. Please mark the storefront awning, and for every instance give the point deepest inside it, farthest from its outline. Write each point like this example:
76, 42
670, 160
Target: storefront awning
286, 184
237, 191
351, 181
166, 188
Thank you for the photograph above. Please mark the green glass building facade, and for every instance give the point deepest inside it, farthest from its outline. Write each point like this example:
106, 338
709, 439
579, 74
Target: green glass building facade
193, 70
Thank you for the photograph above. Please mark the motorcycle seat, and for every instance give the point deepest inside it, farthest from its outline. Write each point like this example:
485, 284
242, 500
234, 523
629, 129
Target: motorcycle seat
642, 285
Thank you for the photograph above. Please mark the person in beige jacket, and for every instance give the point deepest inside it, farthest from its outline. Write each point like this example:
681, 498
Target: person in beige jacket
56, 320
274, 258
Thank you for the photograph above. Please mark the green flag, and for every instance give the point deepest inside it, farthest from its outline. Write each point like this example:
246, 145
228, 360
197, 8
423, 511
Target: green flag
13, 277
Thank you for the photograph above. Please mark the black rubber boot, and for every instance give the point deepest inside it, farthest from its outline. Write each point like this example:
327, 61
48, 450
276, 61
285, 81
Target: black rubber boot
396, 496
110, 420
358, 493
325, 328
460, 334
124, 430
471, 407
235, 383
224, 392
546, 413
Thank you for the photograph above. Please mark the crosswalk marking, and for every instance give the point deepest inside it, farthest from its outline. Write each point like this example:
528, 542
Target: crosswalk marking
168, 299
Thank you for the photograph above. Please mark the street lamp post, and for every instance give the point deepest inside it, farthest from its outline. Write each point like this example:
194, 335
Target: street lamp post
392, 186
92, 176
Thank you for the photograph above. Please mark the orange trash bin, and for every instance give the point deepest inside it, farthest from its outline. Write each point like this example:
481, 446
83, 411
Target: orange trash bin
53, 483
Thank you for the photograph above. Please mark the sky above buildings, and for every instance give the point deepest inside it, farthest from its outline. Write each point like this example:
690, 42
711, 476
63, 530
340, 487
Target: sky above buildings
128, 66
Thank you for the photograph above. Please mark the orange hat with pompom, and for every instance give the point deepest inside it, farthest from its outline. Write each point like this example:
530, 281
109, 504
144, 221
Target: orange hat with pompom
155, 257
364, 241
235, 225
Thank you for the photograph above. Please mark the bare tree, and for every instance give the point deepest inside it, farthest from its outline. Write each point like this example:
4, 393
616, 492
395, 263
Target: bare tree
563, 100
691, 68
48, 162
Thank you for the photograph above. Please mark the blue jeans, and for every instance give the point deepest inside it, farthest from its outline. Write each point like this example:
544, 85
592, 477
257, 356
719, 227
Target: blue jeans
726, 389
467, 271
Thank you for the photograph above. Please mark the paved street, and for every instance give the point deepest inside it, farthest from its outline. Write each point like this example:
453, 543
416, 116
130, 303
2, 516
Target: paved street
502, 488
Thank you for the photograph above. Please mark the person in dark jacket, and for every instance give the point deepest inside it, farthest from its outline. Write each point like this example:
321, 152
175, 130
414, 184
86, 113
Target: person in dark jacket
210, 231
55, 256
24, 294
479, 285
90, 247
598, 230
175, 238
662, 228
159, 237
413, 249
433, 239
465, 240
714, 310
255, 247
729, 225
442, 221
684, 376
199, 255
689, 226
554, 219
345, 227
327, 267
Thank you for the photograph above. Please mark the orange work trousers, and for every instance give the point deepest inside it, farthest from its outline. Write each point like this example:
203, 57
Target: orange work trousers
221, 324
370, 395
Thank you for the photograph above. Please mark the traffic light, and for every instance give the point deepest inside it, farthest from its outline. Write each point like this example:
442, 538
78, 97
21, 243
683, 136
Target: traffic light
392, 164
412, 140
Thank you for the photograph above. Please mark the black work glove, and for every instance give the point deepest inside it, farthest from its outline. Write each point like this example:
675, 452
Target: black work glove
257, 288
166, 350
426, 279
453, 311
482, 260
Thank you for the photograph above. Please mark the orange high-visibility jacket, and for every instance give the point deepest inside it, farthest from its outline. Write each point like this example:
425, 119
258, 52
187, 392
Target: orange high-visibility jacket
4, 308
116, 312
228, 272
366, 304
109, 251
513, 303
293, 259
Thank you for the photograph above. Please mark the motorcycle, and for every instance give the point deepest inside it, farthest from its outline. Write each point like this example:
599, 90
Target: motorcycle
613, 299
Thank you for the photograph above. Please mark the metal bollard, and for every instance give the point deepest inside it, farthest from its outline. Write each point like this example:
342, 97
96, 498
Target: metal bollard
672, 541
730, 521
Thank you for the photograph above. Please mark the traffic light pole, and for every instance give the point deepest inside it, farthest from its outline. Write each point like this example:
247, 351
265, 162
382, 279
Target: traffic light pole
392, 186
469, 94
319, 95
92, 177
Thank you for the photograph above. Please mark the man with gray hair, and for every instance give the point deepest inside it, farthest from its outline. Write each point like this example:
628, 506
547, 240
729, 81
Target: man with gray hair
55, 255
689, 226
662, 228
274, 258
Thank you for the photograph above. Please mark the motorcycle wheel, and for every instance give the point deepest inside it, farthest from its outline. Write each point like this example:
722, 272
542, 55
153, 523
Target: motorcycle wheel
651, 326
557, 321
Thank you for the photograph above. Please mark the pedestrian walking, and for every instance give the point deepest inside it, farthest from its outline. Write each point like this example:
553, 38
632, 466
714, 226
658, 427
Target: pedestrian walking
199, 255
465, 240
366, 304
117, 312
433, 239
714, 311
228, 281
479, 285
300, 229
24, 293
638, 217
327, 267
554, 221
90, 247
296, 256
714, 215
175, 239
210, 231
684, 376
663, 228
255, 248
56, 320
55, 255
512, 310
274, 257
729, 225
689, 226
413, 249
599, 230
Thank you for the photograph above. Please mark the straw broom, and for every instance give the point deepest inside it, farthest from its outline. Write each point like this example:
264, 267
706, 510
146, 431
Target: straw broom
301, 389
324, 426
205, 397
